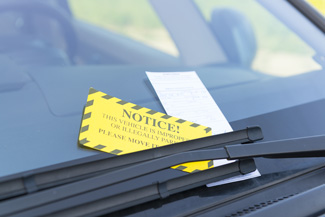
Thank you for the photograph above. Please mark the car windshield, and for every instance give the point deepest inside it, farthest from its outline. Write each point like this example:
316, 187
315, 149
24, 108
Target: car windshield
262, 62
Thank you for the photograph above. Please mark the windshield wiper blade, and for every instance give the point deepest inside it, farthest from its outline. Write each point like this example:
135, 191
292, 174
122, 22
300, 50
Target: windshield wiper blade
302, 147
39, 206
43, 178
109, 180
163, 190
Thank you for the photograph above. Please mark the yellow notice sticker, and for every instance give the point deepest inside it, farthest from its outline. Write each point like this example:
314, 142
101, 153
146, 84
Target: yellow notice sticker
118, 127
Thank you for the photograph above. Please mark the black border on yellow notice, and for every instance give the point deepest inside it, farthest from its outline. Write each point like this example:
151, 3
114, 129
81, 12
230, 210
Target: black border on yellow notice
97, 102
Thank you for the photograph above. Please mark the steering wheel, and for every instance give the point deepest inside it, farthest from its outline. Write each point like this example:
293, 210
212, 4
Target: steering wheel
29, 8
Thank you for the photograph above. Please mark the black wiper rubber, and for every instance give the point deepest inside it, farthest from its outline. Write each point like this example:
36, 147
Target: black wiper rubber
106, 180
102, 201
47, 177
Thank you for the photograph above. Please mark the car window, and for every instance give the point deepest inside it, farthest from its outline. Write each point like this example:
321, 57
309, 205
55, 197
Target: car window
259, 67
279, 51
134, 19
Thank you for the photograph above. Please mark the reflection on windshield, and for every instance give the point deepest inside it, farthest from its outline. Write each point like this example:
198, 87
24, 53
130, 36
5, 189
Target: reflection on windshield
256, 39
121, 17
279, 51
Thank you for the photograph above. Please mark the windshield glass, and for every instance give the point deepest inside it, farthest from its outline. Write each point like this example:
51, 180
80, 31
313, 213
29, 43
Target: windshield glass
260, 67
266, 45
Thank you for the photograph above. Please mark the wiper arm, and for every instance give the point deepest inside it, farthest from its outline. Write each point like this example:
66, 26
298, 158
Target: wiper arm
76, 170
299, 147
177, 185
